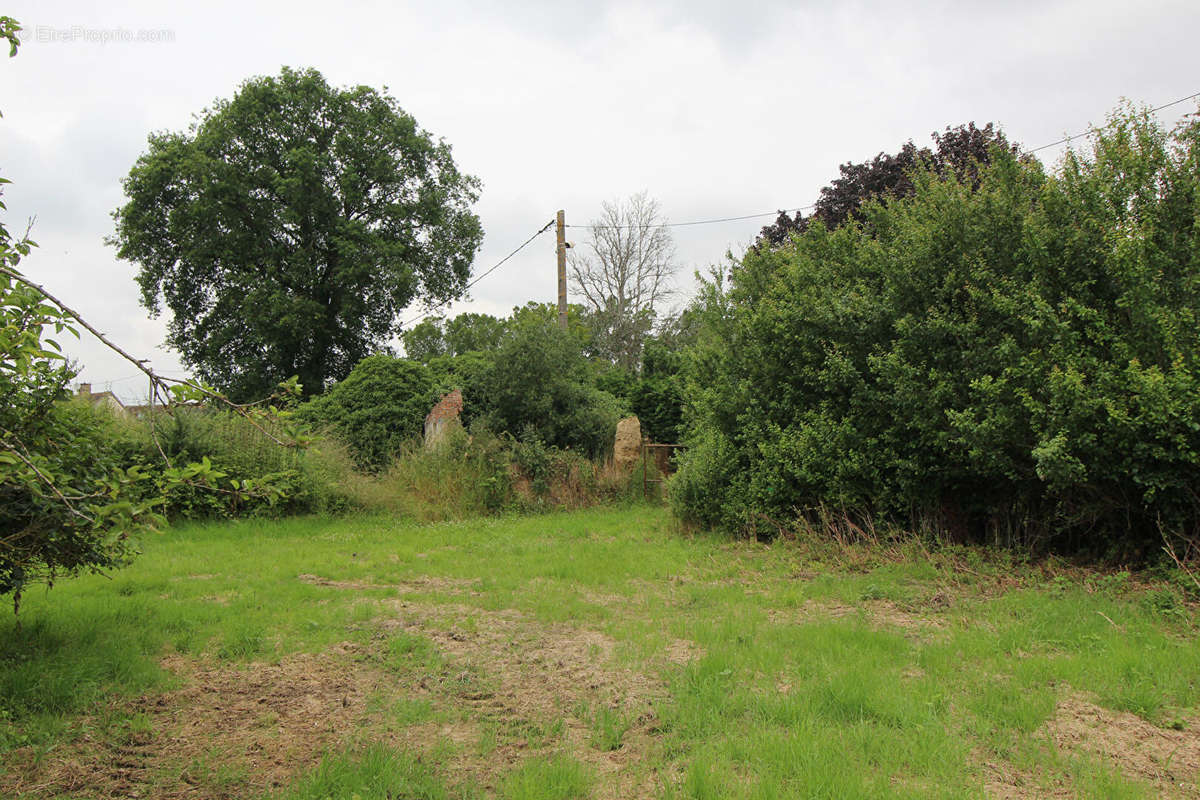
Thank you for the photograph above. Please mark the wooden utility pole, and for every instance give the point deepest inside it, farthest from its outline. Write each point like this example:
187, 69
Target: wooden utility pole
560, 228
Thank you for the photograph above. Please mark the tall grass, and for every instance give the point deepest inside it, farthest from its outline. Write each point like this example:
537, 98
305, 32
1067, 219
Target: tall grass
467, 475
483, 474
240, 450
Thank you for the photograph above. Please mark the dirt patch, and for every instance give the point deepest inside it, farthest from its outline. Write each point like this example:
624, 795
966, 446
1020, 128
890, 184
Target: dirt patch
421, 584
1167, 759
887, 614
529, 666
232, 730
683, 651
505, 687
1003, 781
879, 613
513, 672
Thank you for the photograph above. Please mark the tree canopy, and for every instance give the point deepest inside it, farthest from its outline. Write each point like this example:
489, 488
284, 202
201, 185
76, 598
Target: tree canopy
465, 333
539, 385
287, 228
957, 151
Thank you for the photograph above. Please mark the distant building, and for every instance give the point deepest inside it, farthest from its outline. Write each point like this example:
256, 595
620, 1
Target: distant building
104, 399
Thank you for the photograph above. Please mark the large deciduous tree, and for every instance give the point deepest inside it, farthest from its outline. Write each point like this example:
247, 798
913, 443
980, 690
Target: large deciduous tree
289, 226
624, 273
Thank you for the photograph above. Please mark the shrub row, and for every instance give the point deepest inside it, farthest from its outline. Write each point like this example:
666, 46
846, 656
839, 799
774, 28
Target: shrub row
1015, 361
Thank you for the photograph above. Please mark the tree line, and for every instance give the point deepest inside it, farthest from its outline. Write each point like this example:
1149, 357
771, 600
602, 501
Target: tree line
956, 339
1001, 352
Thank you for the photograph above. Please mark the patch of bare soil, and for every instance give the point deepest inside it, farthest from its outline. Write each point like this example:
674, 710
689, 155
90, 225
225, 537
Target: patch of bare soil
880, 613
231, 731
234, 731
421, 584
1167, 759
682, 651
517, 671
1003, 781
529, 666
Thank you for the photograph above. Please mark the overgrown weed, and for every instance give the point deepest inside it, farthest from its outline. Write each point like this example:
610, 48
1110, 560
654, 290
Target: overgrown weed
481, 474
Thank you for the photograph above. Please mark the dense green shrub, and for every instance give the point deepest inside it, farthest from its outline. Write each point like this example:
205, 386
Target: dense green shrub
540, 380
657, 396
466, 372
302, 480
1015, 360
45, 536
380, 405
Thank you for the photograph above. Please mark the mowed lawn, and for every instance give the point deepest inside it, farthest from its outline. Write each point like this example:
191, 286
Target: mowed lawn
601, 654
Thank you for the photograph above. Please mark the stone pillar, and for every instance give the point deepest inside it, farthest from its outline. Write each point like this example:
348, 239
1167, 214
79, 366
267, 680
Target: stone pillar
627, 448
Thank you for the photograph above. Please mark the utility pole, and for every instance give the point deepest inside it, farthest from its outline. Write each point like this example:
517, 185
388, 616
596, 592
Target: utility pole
560, 229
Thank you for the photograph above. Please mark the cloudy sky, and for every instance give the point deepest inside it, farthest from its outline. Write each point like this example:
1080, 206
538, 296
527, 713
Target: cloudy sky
716, 109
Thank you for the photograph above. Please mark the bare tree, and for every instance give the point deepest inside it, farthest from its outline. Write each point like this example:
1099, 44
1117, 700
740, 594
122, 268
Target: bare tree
624, 272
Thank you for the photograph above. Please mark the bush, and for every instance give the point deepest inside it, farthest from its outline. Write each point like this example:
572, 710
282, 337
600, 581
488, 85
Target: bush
303, 480
540, 381
1013, 361
45, 537
379, 407
466, 372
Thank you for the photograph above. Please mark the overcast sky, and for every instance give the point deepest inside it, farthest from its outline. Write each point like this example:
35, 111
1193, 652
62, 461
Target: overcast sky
716, 109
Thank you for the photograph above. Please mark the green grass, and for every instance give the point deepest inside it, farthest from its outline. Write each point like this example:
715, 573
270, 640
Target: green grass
608, 727
812, 671
556, 778
375, 774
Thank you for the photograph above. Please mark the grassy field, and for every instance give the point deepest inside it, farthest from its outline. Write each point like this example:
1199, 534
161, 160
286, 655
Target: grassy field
592, 654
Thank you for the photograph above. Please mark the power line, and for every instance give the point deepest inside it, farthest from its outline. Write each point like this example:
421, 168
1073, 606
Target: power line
814, 205
742, 217
1109, 125
701, 221
481, 276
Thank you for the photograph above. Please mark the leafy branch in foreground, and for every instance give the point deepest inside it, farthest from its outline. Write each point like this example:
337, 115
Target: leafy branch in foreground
67, 503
